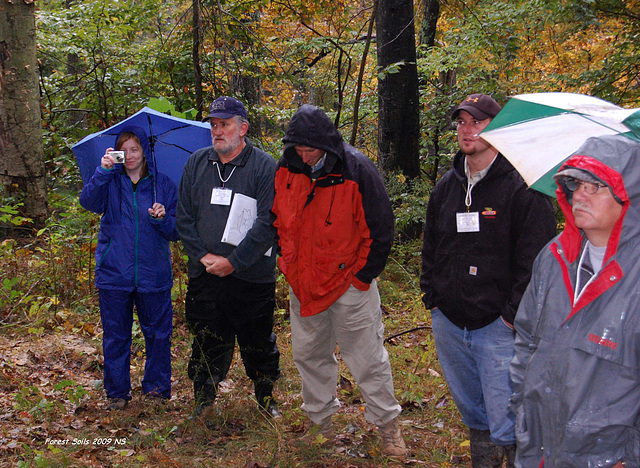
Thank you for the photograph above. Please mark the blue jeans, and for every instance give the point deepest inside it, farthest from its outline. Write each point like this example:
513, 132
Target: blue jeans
476, 366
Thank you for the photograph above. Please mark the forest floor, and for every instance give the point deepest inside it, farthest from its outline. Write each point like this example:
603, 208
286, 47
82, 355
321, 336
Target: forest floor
53, 410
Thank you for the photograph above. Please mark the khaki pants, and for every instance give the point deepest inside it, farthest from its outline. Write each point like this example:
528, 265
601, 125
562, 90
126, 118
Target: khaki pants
354, 322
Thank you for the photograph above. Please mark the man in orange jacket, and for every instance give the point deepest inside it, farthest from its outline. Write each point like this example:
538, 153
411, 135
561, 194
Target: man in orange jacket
335, 228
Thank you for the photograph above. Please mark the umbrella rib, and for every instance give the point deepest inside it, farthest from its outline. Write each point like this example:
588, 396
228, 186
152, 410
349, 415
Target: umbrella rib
531, 120
176, 146
589, 118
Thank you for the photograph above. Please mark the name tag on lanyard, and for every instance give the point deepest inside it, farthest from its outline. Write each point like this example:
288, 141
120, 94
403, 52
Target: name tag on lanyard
221, 196
468, 222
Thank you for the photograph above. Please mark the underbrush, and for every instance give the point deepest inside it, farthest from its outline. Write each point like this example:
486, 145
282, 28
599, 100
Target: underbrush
52, 403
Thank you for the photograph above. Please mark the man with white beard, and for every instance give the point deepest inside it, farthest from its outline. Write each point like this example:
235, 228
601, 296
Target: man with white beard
231, 291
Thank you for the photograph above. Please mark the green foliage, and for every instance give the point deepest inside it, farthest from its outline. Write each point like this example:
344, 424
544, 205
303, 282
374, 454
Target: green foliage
615, 77
90, 81
391, 69
74, 392
506, 48
31, 400
11, 214
42, 278
408, 199
162, 437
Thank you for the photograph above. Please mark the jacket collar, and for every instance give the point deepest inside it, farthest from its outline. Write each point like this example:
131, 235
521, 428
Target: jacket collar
499, 167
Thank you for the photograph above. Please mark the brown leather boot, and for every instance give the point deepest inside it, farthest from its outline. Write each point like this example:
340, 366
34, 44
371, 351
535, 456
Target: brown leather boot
392, 442
319, 434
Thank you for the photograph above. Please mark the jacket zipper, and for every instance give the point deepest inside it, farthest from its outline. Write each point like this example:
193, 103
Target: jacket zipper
135, 211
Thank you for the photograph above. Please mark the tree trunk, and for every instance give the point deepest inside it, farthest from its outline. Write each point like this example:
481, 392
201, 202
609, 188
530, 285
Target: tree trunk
246, 83
398, 115
428, 28
363, 65
197, 28
22, 169
447, 79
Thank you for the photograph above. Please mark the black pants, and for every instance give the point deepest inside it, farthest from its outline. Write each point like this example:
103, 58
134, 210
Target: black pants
219, 310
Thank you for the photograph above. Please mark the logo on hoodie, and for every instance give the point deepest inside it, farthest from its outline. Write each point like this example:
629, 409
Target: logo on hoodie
489, 213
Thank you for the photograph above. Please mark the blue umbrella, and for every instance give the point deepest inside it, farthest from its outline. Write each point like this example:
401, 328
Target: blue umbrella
172, 141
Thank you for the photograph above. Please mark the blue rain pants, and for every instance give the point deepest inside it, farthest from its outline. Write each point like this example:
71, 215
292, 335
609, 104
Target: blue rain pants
155, 314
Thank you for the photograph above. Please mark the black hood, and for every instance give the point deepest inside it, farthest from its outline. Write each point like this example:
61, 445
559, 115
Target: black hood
311, 127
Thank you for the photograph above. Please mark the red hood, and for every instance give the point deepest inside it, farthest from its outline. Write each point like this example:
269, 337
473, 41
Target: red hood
571, 237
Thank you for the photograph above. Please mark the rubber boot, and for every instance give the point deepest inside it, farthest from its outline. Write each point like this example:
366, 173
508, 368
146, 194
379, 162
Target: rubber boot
510, 455
264, 396
204, 391
484, 453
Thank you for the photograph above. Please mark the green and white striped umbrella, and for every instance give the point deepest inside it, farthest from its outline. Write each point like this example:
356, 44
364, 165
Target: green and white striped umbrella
538, 132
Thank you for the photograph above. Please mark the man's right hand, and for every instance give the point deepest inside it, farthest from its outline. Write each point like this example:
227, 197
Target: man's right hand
208, 260
217, 265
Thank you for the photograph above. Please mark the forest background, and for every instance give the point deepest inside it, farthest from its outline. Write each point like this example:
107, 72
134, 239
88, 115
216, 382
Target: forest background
99, 62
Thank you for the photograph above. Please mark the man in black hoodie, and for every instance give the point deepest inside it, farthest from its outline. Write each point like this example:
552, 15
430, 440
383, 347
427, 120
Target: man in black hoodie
483, 230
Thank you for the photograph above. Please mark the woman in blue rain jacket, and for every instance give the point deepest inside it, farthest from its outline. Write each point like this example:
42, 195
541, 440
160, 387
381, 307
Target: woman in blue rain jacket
133, 263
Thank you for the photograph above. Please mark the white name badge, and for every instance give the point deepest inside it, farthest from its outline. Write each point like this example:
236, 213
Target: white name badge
221, 196
468, 222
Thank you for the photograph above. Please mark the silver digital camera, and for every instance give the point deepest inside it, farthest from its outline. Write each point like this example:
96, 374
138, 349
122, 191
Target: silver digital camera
118, 156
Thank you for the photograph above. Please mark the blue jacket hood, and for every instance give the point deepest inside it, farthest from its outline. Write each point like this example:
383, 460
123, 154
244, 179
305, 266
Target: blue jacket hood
144, 141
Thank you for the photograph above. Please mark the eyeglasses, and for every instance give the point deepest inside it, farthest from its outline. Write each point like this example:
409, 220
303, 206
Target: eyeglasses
589, 187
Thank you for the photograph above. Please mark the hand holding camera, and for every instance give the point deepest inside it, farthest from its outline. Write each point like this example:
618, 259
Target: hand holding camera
112, 157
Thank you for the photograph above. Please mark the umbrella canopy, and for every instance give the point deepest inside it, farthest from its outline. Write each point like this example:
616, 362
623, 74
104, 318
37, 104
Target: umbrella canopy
538, 132
172, 141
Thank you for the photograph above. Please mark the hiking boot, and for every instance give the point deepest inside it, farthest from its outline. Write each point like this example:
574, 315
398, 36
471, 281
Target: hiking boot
202, 407
264, 396
392, 442
270, 407
484, 453
116, 403
321, 434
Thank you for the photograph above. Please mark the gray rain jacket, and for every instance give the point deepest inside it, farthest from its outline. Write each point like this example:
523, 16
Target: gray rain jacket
576, 370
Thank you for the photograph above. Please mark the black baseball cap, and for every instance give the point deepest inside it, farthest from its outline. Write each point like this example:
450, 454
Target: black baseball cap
226, 107
480, 106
